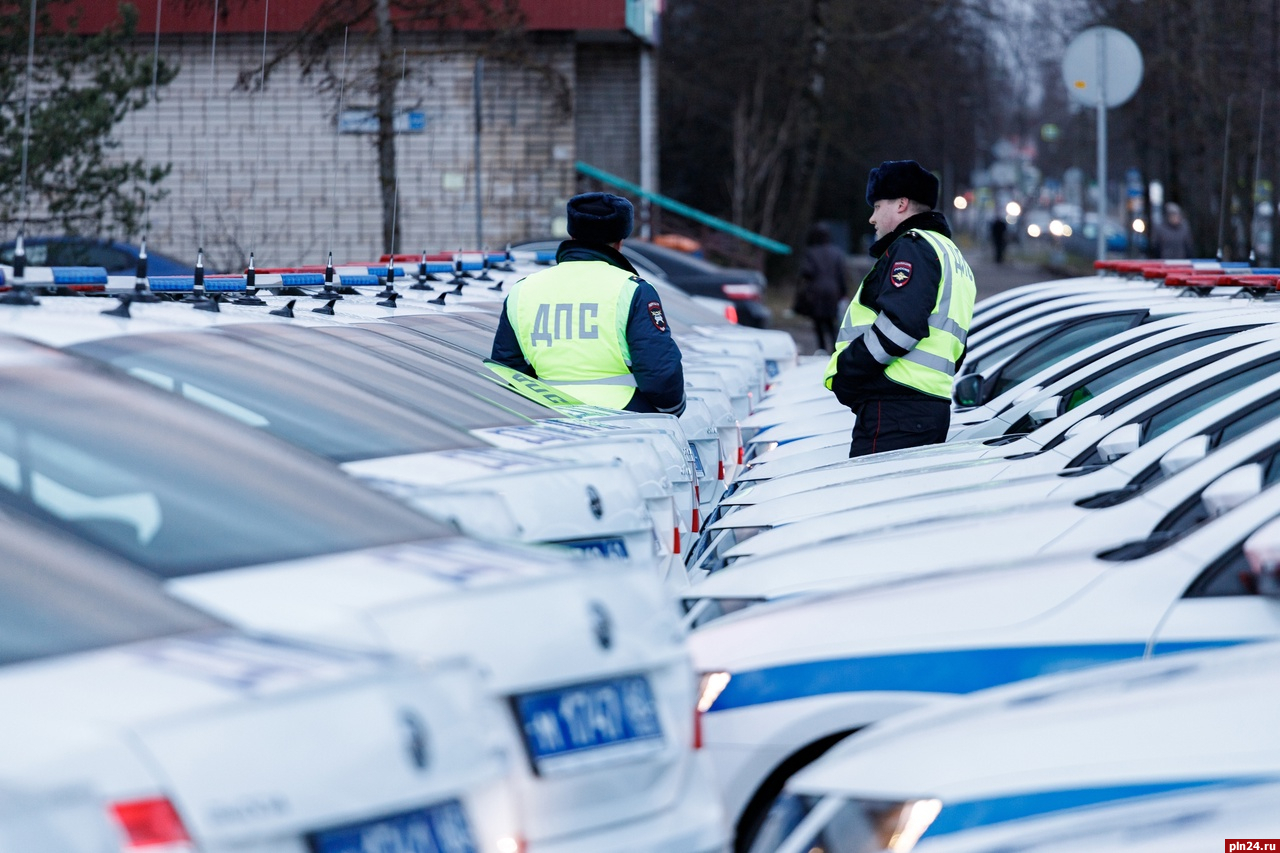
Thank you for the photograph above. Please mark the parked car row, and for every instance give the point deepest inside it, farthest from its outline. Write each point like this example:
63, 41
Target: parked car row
290, 566
1032, 636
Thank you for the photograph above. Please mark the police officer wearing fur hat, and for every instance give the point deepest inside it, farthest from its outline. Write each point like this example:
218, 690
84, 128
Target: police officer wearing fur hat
903, 337
590, 326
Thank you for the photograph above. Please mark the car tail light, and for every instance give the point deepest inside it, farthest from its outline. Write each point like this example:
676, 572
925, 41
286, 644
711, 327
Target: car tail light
741, 292
153, 826
720, 474
731, 313
675, 541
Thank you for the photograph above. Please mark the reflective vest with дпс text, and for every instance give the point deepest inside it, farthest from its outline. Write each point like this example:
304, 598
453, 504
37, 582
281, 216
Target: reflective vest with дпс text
930, 364
571, 321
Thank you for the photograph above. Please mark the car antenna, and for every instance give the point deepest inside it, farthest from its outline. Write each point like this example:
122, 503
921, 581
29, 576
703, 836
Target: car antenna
326, 308
459, 276
197, 296
389, 291
141, 287
330, 292
285, 310
1257, 172
1222, 203
250, 296
423, 275
484, 265
439, 300
20, 295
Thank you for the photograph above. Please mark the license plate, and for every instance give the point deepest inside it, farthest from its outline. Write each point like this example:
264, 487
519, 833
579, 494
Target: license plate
697, 461
614, 548
600, 722
441, 828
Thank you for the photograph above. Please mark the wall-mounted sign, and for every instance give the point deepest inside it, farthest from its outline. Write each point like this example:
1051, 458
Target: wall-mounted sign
366, 121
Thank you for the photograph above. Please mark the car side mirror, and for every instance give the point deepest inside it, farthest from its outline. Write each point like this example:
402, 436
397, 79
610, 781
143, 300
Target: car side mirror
1045, 410
1232, 489
1184, 454
1082, 425
967, 391
1120, 443
1262, 551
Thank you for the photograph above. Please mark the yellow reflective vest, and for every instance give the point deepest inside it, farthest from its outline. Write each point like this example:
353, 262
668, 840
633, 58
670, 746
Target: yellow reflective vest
571, 321
929, 365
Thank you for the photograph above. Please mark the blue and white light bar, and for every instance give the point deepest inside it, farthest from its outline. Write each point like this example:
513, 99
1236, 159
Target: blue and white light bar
80, 278
187, 283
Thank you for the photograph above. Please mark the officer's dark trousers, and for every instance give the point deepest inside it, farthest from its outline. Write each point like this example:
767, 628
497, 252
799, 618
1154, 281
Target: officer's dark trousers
894, 424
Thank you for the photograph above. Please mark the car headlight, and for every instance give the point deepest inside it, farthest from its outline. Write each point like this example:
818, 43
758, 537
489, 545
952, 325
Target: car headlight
836, 824
900, 825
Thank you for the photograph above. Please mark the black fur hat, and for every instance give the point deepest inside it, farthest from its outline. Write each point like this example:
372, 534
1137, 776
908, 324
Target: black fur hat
902, 179
600, 218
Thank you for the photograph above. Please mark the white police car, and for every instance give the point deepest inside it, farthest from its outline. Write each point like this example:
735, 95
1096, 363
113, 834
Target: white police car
1163, 394
134, 722
782, 681
780, 526
600, 695
1136, 756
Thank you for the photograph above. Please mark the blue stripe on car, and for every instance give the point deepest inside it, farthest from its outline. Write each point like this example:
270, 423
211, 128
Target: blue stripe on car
951, 671
972, 814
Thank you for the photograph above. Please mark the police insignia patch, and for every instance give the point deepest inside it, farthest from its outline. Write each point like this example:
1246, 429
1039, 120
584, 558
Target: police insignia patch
900, 273
655, 314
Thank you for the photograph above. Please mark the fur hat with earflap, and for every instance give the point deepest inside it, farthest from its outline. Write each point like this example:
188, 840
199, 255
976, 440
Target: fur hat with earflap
600, 218
902, 179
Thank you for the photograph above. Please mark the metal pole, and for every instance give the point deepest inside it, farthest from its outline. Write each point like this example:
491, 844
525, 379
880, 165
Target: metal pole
1102, 145
478, 82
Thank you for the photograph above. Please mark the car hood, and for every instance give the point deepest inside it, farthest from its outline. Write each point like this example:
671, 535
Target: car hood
919, 615
883, 515
756, 505
858, 561
938, 457
1154, 721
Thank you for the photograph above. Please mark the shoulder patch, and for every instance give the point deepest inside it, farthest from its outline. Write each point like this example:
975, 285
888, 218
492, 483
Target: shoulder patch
900, 273
655, 314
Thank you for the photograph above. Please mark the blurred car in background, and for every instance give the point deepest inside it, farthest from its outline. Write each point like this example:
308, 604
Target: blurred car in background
700, 277
72, 251
711, 284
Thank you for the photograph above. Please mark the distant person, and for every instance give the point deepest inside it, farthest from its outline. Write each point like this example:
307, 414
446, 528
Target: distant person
823, 284
904, 333
999, 235
590, 326
1172, 238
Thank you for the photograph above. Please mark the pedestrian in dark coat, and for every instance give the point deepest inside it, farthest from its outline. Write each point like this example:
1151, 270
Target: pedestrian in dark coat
822, 285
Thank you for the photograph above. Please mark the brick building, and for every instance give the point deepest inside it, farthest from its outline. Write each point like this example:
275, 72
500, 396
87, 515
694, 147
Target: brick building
277, 172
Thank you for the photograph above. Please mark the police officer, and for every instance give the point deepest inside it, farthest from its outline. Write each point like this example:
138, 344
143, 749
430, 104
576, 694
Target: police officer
903, 336
590, 326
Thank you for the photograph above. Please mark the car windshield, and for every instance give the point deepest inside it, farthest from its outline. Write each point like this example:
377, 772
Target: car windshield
58, 597
402, 381
1056, 346
305, 405
171, 487
451, 330
415, 351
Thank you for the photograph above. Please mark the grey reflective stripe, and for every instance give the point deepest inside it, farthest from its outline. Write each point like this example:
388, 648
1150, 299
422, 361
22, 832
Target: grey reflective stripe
848, 333
877, 351
946, 324
626, 379
934, 362
893, 333
673, 409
